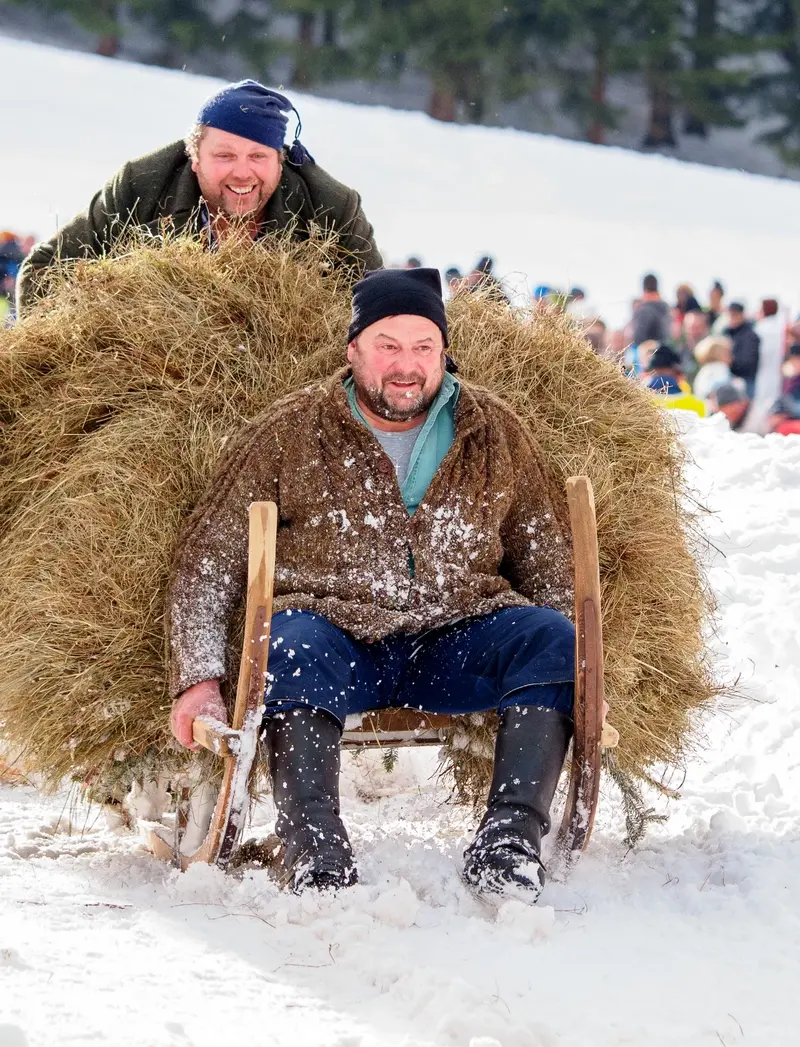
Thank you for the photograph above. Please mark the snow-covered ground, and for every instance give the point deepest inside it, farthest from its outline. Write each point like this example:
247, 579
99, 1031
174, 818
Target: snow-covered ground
557, 212
693, 939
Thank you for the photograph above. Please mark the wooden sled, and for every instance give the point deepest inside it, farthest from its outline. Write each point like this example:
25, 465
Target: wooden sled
391, 728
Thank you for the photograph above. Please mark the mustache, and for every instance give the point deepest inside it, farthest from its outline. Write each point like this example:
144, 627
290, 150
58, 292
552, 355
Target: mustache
400, 376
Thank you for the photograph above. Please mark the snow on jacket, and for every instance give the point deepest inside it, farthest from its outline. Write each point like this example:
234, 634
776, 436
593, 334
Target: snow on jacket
491, 531
162, 186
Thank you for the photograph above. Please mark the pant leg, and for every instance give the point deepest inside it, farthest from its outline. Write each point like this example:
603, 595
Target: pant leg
314, 663
517, 656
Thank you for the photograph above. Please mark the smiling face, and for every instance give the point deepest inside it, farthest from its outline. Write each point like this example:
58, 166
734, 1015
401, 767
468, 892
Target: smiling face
237, 177
398, 367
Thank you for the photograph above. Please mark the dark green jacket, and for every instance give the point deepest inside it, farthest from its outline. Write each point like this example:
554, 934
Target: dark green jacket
162, 185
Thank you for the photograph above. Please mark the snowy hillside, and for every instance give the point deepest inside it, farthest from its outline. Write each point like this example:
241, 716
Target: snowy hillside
558, 212
692, 940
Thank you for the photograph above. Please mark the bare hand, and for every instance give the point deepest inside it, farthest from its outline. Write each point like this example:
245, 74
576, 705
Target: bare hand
203, 699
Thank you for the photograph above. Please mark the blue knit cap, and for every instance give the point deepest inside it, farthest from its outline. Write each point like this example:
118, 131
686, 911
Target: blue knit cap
252, 111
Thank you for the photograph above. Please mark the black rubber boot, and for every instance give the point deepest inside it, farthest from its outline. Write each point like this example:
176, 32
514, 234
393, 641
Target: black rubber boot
303, 747
530, 750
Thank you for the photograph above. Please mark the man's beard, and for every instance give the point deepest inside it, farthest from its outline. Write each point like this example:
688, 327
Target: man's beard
232, 214
373, 397
214, 197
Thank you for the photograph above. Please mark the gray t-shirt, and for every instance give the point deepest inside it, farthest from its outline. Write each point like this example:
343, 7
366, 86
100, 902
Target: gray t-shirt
399, 447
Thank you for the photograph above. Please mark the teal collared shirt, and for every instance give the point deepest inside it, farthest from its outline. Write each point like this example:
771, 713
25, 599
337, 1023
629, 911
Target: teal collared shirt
434, 441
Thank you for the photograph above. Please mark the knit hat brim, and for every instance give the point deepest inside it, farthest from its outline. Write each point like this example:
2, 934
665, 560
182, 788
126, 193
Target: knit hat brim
398, 292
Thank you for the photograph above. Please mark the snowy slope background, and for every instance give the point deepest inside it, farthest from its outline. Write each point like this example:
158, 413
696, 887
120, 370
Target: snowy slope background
550, 211
692, 939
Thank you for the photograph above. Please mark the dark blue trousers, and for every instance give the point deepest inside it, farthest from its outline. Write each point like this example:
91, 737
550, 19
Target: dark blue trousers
517, 656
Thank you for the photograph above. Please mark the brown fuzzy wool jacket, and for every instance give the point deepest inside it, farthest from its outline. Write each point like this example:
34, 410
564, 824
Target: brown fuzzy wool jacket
491, 531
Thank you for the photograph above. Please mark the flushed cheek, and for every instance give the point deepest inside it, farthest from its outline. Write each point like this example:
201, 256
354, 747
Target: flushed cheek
218, 173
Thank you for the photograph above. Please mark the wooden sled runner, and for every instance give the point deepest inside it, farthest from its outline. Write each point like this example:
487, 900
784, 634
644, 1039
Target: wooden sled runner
390, 728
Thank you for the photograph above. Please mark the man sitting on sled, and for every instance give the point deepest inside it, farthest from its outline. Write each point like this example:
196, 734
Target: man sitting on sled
423, 562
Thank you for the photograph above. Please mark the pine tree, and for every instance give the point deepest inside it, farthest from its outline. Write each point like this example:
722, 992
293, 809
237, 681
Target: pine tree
316, 52
708, 91
705, 31
776, 25
190, 29
185, 29
463, 46
600, 38
611, 37
103, 18
675, 45
656, 27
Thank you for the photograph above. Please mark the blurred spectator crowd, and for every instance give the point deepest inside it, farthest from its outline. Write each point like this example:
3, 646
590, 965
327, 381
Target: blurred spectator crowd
712, 358
13, 249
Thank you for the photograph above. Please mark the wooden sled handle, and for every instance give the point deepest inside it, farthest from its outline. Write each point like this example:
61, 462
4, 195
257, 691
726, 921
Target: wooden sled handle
258, 614
215, 736
234, 744
263, 527
584, 784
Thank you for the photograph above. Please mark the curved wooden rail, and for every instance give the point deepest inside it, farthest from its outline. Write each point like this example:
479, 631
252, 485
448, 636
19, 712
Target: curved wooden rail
584, 782
236, 745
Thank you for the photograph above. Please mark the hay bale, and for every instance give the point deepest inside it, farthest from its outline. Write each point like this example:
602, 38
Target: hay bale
116, 397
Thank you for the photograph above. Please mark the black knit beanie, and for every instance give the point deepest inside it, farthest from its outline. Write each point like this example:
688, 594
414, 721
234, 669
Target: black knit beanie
398, 292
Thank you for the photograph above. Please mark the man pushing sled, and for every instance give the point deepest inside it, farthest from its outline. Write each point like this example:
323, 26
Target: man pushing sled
423, 562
